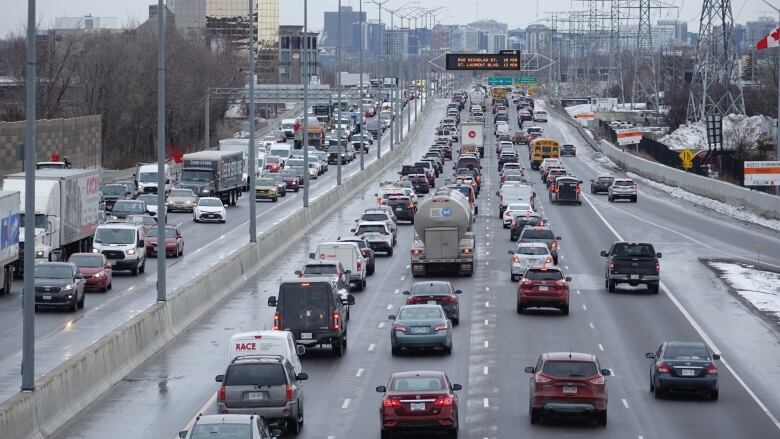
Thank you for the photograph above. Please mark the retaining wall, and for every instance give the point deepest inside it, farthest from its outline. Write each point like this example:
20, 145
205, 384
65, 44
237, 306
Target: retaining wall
73, 386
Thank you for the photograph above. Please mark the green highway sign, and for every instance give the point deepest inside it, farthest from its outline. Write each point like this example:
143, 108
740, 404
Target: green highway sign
526, 80
499, 80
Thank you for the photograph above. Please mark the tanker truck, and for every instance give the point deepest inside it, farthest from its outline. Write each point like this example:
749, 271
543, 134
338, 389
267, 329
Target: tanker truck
443, 237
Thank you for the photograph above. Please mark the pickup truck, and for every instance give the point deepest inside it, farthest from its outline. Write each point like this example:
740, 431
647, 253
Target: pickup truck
633, 263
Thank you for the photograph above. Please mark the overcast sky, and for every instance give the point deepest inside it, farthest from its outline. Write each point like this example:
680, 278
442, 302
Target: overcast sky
518, 13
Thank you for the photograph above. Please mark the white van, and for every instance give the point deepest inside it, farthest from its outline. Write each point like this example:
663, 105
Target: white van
350, 256
282, 150
147, 178
122, 244
540, 116
287, 125
266, 343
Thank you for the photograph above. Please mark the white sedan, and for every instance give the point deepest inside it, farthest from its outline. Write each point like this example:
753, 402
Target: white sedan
513, 209
209, 209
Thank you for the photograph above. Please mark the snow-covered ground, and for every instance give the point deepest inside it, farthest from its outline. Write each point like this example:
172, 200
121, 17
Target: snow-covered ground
736, 128
761, 288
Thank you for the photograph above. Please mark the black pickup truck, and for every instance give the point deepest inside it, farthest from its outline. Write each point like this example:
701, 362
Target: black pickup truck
632, 263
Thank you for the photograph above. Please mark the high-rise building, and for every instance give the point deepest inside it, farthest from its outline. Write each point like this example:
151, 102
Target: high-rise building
497, 42
85, 22
536, 36
679, 27
490, 26
330, 31
397, 43
295, 52
189, 14
755, 30
267, 63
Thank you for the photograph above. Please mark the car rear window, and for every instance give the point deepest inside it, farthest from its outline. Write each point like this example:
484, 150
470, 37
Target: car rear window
623, 183
417, 384
221, 431
604, 179
522, 250
374, 217
369, 228
538, 234
304, 295
315, 269
687, 353
543, 275
255, 374
431, 288
420, 313
633, 250
570, 368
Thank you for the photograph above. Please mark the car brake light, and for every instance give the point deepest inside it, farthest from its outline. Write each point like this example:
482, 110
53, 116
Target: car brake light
554, 188
399, 327
288, 392
444, 401
221, 394
359, 264
416, 251
465, 250
599, 381
611, 266
336, 321
515, 259
440, 327
541, 379
448, 299
277, 325
389, 402
712, 369
657, 267
663, 368
634, 187
410, 206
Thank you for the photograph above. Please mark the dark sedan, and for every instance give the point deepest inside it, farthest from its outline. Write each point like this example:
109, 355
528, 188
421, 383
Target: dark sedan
438, 292
292, 180
59, 284
683, 367
403, 208
601, 184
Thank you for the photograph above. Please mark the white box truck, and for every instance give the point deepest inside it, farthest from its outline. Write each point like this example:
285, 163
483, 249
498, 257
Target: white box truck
473, 134
9, 238
67, 203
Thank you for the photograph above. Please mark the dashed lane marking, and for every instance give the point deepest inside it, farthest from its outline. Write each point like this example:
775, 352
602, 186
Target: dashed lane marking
371, 347
485, 370
359, 372
347, 401
584, 307
486, 344
486, 402
625, 403
381, 325
591, 325
601, 348
390, 306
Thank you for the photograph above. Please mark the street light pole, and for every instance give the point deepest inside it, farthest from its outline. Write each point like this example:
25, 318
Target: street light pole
777, 132
382, 81
338, 103
251, 166
161, 213
305, 128
362, 114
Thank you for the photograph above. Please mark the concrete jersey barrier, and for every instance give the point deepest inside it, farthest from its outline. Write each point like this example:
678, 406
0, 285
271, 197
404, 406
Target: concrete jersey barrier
70, 388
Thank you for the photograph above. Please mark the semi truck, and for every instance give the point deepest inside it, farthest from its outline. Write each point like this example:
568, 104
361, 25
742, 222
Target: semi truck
9, 238
473, 134
67, 204
443, 236
214, 174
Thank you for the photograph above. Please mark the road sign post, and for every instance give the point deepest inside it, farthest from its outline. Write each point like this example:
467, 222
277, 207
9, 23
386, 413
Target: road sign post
686, 157
499, 80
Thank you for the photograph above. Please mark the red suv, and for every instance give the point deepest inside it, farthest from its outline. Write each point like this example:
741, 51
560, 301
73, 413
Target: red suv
543, 287
421, 400
568, 383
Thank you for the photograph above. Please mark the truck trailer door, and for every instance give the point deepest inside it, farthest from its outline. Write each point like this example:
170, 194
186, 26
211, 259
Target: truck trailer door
441, 243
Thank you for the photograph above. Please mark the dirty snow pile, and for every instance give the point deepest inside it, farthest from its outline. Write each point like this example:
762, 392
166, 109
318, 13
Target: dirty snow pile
736, 129
574, 110
761, 288
737, 212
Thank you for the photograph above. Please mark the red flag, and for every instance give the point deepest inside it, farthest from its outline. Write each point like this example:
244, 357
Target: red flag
771, 40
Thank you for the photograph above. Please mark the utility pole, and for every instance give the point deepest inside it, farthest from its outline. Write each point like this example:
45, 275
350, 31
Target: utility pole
305, 133
382, 81
252, 165
338, 104
362, 114
162, 215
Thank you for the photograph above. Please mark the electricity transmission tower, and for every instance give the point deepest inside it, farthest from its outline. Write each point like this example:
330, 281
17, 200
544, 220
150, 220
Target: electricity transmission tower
711, 88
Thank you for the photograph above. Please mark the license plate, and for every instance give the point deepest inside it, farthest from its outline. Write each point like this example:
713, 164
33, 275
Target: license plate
431, 302
46, 297
399, 209
306, 335
543, 288
688, 372
256, 396
634, 276
417, 406
419, 329
571, 390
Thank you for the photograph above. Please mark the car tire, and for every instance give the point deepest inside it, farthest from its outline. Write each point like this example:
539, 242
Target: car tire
276, 199
134, 271
448, 349
142, 268
565, 310
111, 285
74, 306
395, 351
658, 393
338, 347
390, 251
293, 426
83, 299
633, 199
453, 434
653, 288
456, 321
535, 415
611, 286
384, 434
601, 418
520, 308
610, 199
713, 395
514, 278
370, 270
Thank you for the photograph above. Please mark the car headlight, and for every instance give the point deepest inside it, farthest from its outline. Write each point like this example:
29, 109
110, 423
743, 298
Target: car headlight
131, 251
39, 254
188, 203
94, 250
99, 275
68, 287
205, 191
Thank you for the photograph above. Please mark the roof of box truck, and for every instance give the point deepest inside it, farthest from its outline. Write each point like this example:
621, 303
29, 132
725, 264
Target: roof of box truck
51, 173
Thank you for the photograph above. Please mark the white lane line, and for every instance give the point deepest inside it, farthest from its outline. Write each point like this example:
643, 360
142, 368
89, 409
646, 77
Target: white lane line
486, 344
591, 325
584, 307
578, 292
347, 401
699, 330
407, 267
566, 267
487, 288
487, 253
371, 347
381, 325
403, 277
209, 403
485, 370
131, 288
625, 403
390, 306
487, 304
486, 322
485, 402
359, 372
396, 291
612, 372
601, 348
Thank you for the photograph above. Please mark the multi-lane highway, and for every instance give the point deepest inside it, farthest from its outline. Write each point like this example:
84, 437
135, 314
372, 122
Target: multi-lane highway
493, 343
60, 335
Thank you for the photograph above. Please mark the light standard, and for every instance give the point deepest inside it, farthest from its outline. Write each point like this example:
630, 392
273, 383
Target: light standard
379, 121
338, 102
251, 166
362, 114
305, 128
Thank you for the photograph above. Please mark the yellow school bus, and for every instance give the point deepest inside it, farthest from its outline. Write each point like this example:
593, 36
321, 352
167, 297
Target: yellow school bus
541, 149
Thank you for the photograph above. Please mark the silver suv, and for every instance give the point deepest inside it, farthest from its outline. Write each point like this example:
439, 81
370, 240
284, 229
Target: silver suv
622, 188
263, 385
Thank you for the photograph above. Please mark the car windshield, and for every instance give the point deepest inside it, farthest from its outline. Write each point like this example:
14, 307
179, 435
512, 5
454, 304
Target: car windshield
210, 202
169, 232
195, 175
149, 199
687, 353
149, 177
84, 261
633, 250
417, 384
114, 189
255, 374
182, 193
40, 220
431, 288
538, 234
107, 235
316, 269
371, 228
129, 206
53, 271
265, 182
543, 274
523, 250
427, 313
221, 431
294, 162
570, 368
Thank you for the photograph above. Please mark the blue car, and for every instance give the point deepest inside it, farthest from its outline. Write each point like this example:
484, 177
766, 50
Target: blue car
421, 327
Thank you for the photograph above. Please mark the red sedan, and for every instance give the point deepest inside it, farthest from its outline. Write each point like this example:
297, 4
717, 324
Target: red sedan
421, 400
568, 383
543, 287
95, 268
174, 243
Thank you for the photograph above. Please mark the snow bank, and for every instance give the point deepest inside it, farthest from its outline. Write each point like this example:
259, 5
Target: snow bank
736, 129
574, 110
760, 288
726, 209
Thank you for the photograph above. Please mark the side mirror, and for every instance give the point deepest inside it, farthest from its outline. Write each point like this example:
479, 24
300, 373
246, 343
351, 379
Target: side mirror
272, 301
219, 378
311, 255
298, 272
381, 389
348, 271
458, 292
604, 253
650, 355
457, 387
406, 293
606, 372
350, 299
183, 434
568, 279
557, 238
391, 317
530, 369
302, 376
658, 255
300, 349
352, 230
716, 356
498, 193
